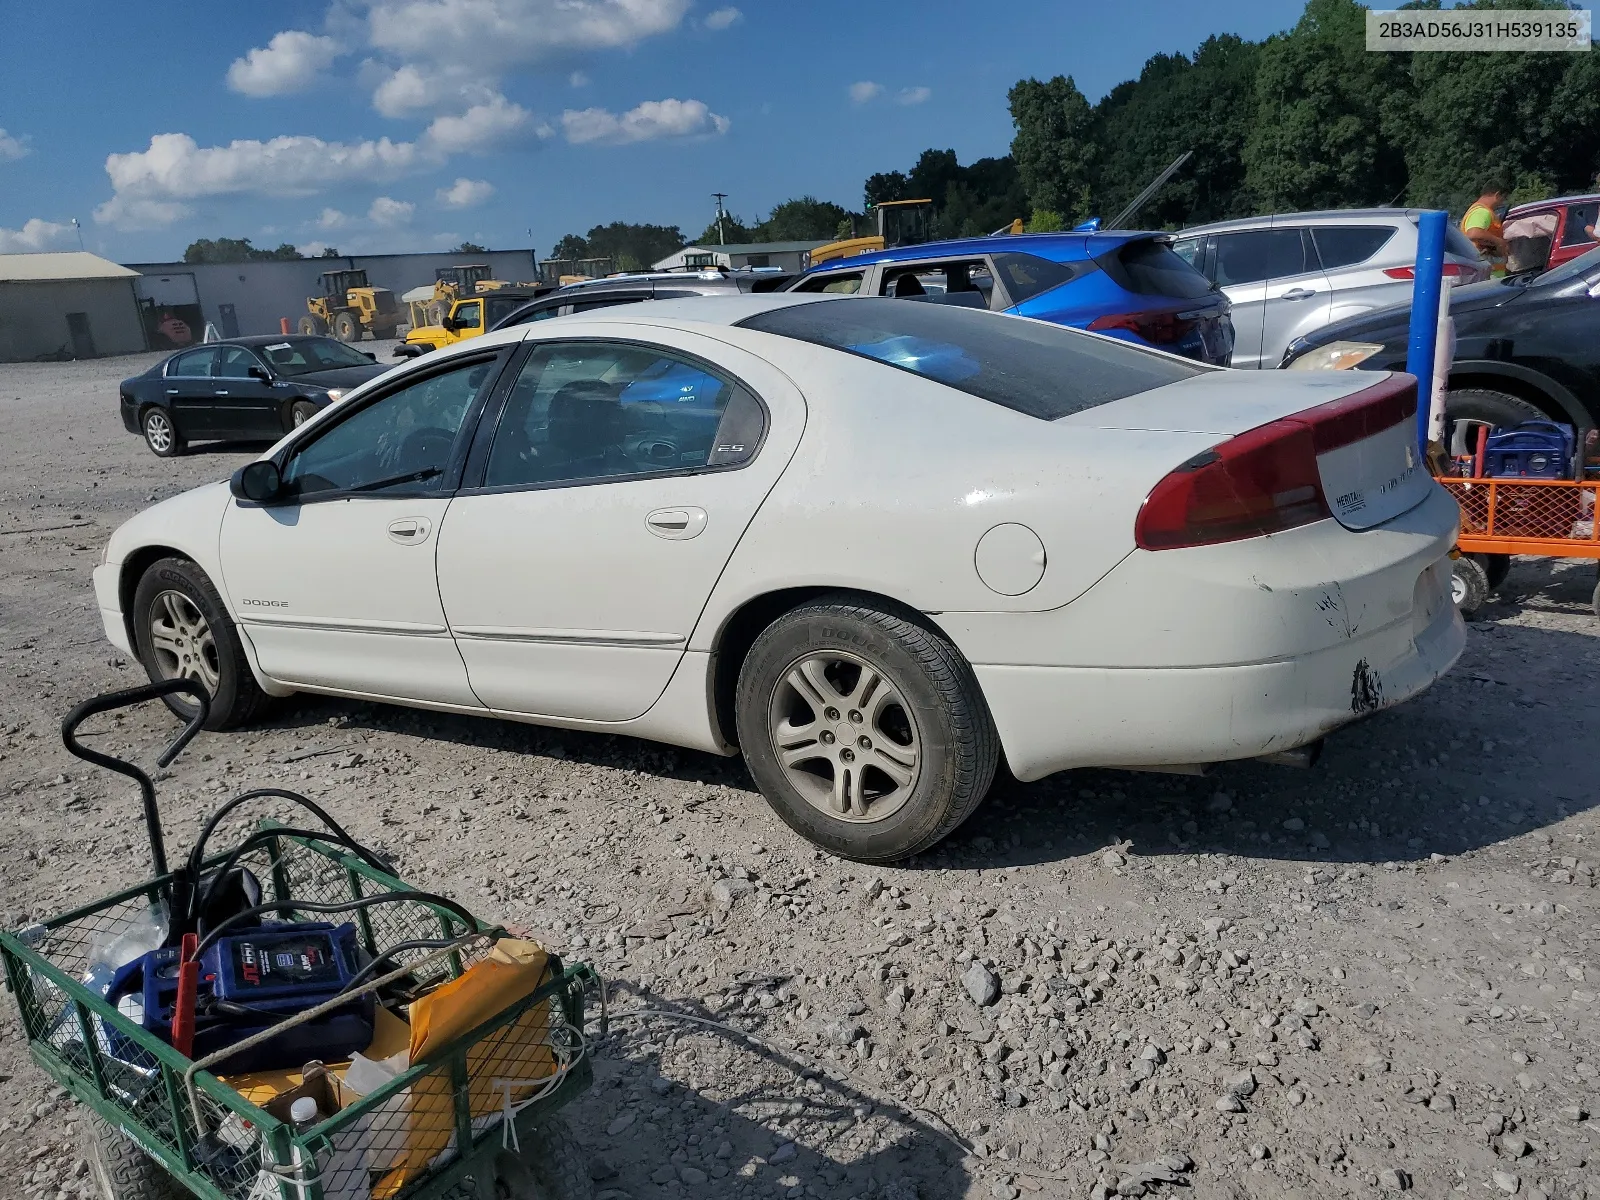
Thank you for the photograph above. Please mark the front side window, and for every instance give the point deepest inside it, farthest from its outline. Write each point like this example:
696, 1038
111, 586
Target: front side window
1581, 219
970, 283
196, 364
595, 410
1254, 255
400, 441
1030, 367
840, 283
469, 315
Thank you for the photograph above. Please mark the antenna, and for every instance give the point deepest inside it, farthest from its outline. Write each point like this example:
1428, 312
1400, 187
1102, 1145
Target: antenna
722, 239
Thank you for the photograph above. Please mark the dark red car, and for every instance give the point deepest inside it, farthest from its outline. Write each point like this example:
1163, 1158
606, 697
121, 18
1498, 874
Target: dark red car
1557, 231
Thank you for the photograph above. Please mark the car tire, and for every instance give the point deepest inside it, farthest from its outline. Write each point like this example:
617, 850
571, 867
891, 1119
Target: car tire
1495, 568
1483, 406
300, 412
120, 1170
180, 627
1469, 584
312, 327
345, 327
160, 433
879, 782
438, 310
550, 1165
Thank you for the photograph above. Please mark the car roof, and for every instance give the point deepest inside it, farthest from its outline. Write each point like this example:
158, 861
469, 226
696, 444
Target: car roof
1532, 205
1333, 216
1057, 247
727, 309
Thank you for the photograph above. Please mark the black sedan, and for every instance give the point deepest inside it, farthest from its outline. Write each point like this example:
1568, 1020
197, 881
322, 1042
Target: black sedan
1527, 349
243, 389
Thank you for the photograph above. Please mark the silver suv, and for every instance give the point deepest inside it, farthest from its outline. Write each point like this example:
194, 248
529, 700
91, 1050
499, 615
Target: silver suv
1292, 273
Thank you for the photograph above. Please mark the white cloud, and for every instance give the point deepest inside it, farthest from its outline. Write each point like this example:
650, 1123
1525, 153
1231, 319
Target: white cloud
388, 211
288, 63
34, 235
913, 95
865, 90
721, 18
464, 193
11, 148
332, 218
491, 35
576, 79
415, 88
312, 249
130, 212
646, 122
481, 127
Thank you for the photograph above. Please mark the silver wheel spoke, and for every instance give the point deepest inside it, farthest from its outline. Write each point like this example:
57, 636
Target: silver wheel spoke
899, 763
797, 743
165, 639
813, 686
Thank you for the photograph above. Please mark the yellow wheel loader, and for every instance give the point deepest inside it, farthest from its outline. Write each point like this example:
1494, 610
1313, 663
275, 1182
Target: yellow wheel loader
350, 306
899, 223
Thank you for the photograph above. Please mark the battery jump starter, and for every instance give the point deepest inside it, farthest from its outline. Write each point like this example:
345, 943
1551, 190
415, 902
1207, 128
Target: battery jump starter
246, 984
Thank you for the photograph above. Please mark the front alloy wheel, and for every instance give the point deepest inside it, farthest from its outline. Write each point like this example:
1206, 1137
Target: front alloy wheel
182, 642
845, 738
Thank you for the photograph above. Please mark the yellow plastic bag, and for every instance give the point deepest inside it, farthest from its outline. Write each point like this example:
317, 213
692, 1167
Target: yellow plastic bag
519, 1051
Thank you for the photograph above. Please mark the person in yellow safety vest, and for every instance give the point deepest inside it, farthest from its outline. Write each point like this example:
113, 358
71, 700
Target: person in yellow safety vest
1482, 225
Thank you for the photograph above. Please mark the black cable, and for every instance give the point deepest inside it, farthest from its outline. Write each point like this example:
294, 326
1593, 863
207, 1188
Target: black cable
428, 898
261, 837
415, 944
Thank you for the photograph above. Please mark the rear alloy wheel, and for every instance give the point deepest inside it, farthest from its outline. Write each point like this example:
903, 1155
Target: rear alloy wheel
864, 729
1469, 584
301, 412
345, 327
182, 631
160, 434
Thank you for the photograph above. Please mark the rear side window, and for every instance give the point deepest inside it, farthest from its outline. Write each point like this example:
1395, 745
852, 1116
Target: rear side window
1252, 255
1579, 218
1030, 367
844, 283
1150, 268
1346, 245
1026, 275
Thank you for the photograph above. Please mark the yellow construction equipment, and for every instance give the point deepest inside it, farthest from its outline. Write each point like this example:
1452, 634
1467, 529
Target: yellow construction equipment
899, 223
350, 306
468, 318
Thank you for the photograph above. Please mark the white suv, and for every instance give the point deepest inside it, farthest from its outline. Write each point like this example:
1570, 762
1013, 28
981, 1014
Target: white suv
1290, 274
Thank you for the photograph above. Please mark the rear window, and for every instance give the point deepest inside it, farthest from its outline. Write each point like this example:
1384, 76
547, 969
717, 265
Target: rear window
1346, 245
1030, 367
1458, 243
1150, 268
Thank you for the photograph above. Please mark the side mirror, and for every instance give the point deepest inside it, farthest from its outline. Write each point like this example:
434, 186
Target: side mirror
448, 324
261, 373
371, 357
259, 482
407, 350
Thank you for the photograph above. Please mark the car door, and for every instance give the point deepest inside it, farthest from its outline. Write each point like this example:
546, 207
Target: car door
189, 388
1298, 297
245, 406
616, 482
1244, 264
335, 586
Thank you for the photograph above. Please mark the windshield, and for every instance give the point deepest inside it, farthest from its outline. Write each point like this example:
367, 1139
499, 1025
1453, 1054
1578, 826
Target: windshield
301, 356
1568, 271
1045, 371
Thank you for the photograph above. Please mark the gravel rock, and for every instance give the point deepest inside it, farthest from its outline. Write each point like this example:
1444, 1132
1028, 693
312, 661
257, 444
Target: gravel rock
1392, 1180
982, 984
1112, 858
1508, 1182
728, 892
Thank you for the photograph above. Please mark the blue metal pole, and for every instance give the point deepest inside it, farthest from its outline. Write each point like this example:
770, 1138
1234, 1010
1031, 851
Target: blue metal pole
1425, 295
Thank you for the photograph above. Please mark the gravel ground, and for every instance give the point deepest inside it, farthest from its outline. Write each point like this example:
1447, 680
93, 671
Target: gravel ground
1377, 975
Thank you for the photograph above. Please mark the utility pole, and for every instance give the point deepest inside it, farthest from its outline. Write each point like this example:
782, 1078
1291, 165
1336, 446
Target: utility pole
722, 239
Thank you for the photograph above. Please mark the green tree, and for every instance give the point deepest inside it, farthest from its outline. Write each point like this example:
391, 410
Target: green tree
800, 220
470, 248
733, 232
885, 185
1054, 146
330, 252
633, 247
571, 246
225, 250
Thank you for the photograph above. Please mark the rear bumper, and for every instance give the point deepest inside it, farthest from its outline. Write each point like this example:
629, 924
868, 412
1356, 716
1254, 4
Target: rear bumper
130, 415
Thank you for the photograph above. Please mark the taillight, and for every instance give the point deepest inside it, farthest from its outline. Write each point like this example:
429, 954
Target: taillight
1159, 328
1454, 270
1266, 480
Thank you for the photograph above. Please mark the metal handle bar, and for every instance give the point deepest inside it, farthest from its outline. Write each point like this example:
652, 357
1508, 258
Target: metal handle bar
127, 699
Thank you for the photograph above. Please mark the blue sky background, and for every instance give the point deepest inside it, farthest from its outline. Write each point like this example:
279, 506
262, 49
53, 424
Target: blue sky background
767, 111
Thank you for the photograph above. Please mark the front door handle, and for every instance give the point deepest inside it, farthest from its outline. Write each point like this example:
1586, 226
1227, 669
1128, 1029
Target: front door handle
1298, 294
172, 391
409, 531
676, 524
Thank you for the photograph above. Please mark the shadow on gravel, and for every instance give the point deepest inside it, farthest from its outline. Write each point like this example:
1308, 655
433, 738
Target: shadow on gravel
250, 447
793, 1129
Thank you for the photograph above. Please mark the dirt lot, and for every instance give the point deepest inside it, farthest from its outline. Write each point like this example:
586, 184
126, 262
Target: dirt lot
1376, 975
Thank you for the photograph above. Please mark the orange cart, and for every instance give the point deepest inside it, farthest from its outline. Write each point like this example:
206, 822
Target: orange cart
1552, 518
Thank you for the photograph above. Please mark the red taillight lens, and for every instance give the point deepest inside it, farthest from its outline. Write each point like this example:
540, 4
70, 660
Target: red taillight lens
1161, 328
1266, 479
1454, 270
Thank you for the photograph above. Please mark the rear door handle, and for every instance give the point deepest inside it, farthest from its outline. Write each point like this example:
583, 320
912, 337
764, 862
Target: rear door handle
676, 524
409, 531
1298, 294
172, 391
219, 392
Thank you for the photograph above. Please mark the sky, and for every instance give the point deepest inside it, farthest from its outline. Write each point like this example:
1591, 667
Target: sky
398, 125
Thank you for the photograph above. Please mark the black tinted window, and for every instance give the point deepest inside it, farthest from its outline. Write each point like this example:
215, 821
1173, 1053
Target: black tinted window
1043, 370
844, 282
1150, 268
1253, 255
605, 302
194, 363
1346, 245
1026, 275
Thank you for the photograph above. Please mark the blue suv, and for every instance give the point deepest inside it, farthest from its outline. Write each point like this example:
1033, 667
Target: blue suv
1124, 284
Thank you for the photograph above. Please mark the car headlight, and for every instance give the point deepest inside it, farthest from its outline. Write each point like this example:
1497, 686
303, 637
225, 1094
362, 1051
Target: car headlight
335, 395
1336, 356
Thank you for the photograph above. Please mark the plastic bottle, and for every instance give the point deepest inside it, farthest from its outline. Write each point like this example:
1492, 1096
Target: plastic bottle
303, 1112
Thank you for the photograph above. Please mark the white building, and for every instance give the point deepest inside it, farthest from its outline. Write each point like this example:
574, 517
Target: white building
785, 256
67, 305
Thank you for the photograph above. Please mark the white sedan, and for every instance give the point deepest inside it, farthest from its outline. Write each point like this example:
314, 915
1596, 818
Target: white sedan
872, 545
